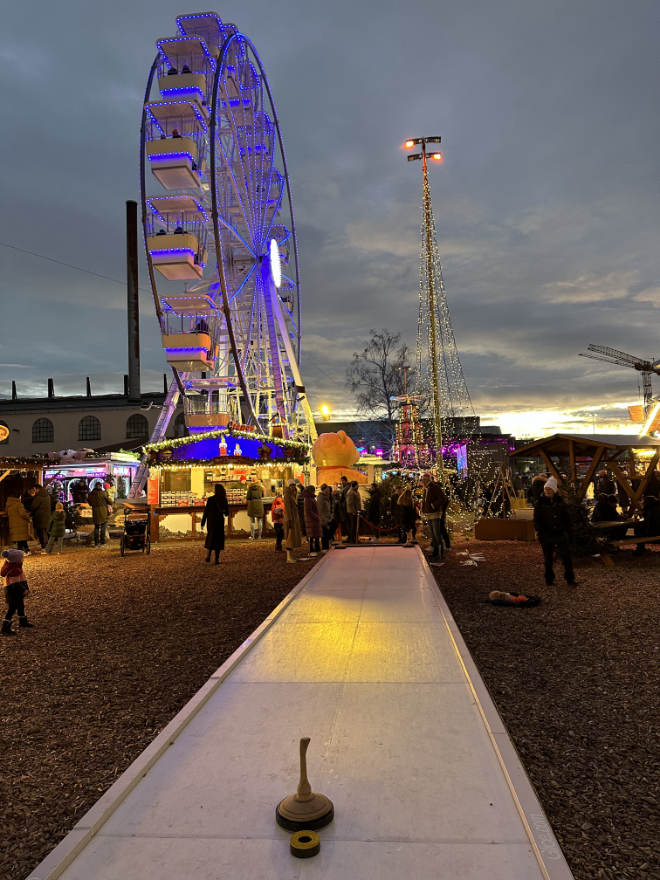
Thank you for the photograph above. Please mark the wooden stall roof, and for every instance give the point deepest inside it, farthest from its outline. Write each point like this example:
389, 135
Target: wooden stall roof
614, 452
585, 444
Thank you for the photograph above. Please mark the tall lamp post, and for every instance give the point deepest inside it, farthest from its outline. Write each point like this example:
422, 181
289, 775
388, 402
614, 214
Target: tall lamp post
436, 156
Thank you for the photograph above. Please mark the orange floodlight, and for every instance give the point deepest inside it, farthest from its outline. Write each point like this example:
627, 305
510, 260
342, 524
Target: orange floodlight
408, 145
437, 157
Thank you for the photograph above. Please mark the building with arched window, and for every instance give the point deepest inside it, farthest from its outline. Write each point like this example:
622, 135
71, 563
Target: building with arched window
137, 428
104, 422
89, 429
43, 431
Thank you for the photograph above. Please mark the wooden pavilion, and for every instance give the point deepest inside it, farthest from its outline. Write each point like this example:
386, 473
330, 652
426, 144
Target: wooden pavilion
617, 453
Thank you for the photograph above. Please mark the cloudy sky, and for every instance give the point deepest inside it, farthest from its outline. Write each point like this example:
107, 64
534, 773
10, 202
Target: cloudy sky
547, 205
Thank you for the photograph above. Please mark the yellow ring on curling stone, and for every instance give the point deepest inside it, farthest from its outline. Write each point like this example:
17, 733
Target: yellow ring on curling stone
304, 844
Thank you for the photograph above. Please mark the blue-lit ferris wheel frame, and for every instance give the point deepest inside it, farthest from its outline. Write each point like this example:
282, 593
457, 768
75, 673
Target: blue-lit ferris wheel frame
220, 63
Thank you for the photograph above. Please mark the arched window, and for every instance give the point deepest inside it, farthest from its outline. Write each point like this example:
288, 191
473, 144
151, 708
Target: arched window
180, 429
89, 428
137, 427
43, 431
6, 440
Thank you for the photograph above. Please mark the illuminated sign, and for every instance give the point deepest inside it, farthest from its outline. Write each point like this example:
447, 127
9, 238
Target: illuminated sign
4, 433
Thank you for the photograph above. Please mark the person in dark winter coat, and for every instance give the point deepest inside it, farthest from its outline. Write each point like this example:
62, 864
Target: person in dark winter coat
292, 532
214, 514
407, 515
605, 511
553, 528
536, 488
40, 513
324, 504
16, 589
313, 528
99, 500
56, 528
434, 509
300, 501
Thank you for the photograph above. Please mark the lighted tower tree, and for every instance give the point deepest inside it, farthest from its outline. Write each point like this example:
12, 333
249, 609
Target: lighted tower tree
439, 366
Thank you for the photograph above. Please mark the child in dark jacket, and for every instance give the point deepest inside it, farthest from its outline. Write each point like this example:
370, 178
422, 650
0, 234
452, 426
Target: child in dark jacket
56, 528
16, 589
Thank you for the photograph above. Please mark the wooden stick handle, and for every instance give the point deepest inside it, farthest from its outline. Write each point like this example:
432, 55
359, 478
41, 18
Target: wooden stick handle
304, 792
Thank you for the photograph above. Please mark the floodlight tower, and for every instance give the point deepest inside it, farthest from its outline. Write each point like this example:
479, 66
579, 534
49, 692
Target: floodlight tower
436, 156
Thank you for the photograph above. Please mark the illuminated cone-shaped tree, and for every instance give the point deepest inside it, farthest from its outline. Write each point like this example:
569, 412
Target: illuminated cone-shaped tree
439, 370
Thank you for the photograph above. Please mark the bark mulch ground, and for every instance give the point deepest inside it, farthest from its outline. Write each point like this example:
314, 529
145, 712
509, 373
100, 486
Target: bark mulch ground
119, 646
576, 682
122, 644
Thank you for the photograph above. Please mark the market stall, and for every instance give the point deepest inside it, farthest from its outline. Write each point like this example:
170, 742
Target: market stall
184, 471
71, 481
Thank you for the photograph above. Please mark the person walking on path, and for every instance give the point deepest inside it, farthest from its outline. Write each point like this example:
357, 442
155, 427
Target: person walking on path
277, 516
255, 508
292, 530
99, 500
16, 589
553, 528
214, 518
56, 528
434, 507
353, 508
324, 504
19, 522
40, 513
313, 528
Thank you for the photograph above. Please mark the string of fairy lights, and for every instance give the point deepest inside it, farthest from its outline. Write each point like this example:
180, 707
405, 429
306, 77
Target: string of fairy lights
439, 365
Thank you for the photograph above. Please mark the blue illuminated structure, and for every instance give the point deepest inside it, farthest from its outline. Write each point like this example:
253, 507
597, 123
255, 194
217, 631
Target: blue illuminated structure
208, 84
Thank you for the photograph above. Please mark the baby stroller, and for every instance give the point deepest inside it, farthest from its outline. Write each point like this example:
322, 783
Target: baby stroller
137, 532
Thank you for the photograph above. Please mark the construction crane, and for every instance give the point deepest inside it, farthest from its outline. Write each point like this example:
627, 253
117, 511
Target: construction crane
621, 359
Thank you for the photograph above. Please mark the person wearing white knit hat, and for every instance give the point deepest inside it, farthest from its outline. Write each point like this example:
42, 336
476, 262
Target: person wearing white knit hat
553, 529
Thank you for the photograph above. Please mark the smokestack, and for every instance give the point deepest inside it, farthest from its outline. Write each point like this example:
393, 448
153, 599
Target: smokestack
51, 388
132, 302
14, 395
165, 388
89, 386
125, 385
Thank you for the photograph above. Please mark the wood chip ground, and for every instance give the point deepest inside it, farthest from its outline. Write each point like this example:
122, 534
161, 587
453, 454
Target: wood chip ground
120, 645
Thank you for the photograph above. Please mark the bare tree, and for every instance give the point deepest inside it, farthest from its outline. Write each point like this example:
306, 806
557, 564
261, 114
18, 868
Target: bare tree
376, 375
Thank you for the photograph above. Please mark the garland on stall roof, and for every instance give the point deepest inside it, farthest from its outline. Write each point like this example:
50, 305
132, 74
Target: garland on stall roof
220, 432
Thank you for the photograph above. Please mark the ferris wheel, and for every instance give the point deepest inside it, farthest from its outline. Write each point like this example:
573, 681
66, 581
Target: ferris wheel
220, 235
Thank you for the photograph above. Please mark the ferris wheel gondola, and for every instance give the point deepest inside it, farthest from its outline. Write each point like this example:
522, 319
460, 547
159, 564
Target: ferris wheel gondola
220, 233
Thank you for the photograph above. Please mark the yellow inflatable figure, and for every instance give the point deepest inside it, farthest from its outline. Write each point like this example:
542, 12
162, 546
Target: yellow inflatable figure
333, 456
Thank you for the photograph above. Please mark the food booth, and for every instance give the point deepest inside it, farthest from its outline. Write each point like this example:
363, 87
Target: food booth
183, 472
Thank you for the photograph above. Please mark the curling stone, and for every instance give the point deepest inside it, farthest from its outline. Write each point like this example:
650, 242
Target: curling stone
304, 810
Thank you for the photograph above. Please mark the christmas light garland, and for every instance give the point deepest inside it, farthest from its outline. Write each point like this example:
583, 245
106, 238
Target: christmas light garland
218, 433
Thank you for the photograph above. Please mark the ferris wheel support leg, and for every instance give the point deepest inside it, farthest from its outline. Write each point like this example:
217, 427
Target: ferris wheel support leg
160, 429
300, 388
270, 299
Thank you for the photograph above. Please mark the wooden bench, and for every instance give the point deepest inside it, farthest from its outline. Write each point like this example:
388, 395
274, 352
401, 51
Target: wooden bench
625, 542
